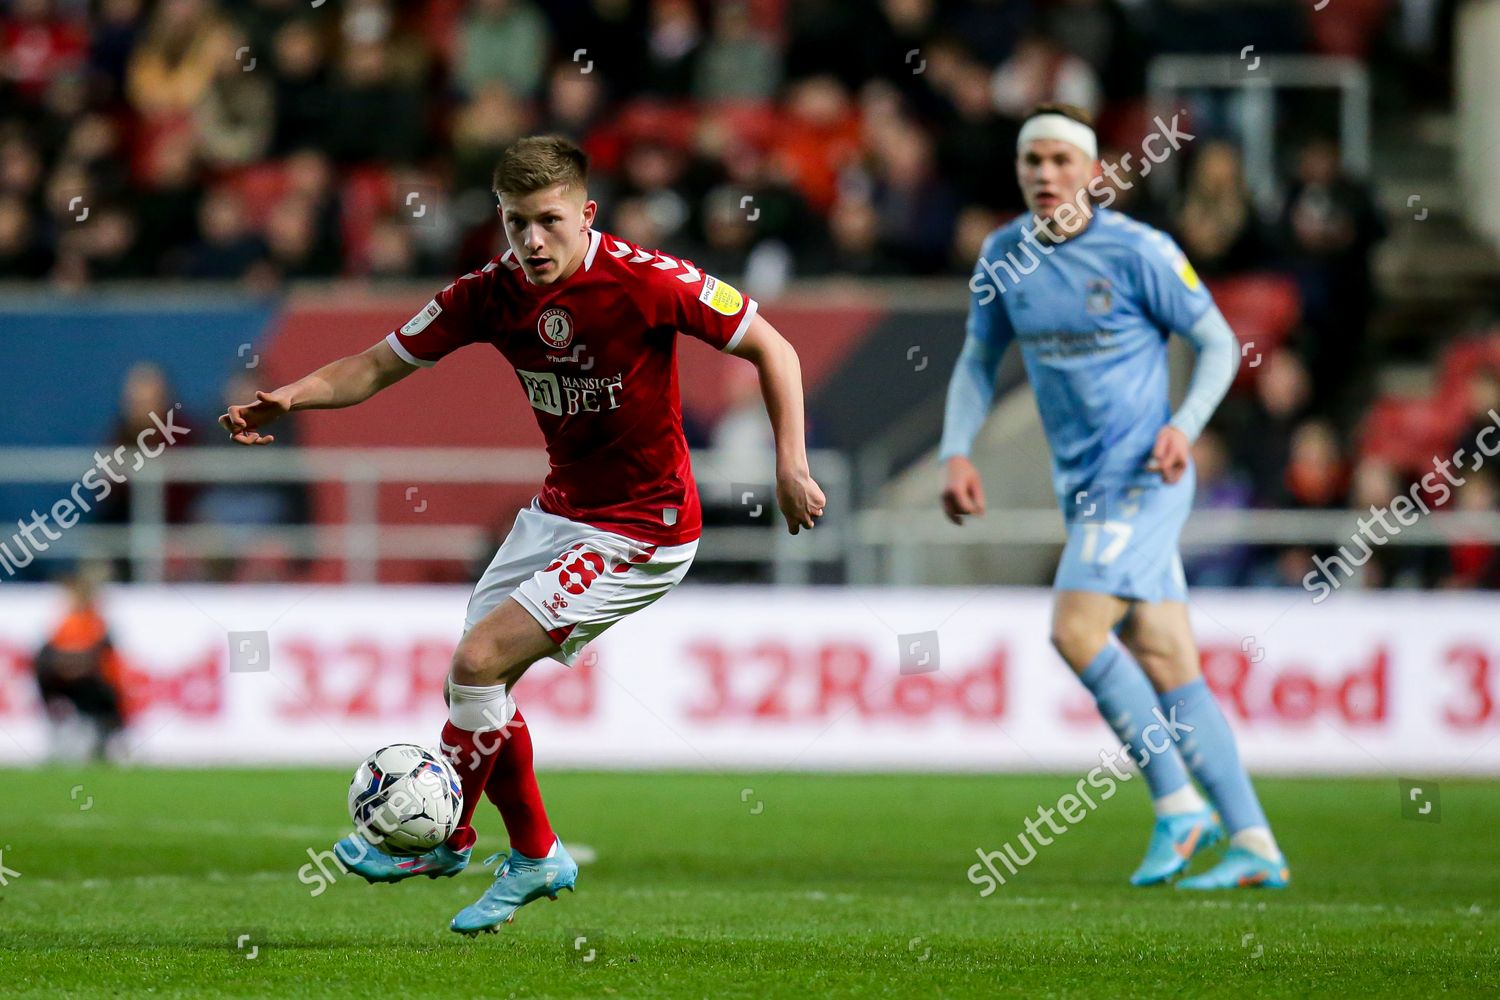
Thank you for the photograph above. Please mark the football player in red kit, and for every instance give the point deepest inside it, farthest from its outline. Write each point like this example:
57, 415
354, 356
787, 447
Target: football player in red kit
590, 323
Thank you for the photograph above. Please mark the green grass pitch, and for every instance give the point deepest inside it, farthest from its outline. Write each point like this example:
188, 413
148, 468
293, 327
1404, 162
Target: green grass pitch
143, 881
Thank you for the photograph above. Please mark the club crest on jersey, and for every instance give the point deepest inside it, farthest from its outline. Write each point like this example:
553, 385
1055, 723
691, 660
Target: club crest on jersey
556, 328
1099, 297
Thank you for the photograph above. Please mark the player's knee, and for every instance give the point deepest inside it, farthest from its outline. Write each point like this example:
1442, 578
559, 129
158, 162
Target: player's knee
1154, 664
1163, 657
1077, 641
479, 664
475, 665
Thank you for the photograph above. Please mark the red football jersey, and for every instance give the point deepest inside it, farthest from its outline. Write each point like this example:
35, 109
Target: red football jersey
596, 356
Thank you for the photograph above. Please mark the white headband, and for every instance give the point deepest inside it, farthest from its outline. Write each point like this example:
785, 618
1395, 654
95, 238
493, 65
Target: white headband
1059, 127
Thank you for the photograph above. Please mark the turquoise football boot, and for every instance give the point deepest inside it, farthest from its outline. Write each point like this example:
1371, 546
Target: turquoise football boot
374, 865
1242, 869
518, 881
1174, 841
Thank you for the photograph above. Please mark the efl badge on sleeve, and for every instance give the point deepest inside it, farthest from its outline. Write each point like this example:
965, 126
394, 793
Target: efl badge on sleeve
720, 296
419, 322
1186, 273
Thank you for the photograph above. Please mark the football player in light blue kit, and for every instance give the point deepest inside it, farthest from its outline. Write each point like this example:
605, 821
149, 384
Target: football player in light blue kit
1092, 295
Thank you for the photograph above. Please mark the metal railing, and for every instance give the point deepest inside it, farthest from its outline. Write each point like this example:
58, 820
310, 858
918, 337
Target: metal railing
907, 539
868, 546
1257, 81
361, 541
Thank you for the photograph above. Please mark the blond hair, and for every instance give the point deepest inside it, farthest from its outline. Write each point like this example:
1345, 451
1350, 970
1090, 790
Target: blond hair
540, 161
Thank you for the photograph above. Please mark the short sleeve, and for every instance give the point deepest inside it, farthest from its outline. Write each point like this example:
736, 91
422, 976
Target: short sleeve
698, 304
446, 323
1172, 294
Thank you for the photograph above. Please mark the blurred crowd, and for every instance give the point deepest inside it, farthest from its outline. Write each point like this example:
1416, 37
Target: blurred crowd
1271, 449
265, 140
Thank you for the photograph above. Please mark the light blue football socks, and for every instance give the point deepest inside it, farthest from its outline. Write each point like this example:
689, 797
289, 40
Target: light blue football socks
1129, 704
1208, 747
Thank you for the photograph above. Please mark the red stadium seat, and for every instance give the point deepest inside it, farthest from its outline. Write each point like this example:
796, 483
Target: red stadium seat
1409, 433
753, 122
674, 125
1262, 309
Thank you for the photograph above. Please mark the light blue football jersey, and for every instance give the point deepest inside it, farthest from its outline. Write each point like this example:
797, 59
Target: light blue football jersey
1092, 314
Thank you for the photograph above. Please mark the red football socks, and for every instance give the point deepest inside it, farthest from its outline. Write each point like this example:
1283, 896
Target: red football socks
473, 756
512, 788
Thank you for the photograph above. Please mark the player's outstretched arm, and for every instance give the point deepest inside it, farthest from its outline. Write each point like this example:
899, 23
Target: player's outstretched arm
340, 383
800, 498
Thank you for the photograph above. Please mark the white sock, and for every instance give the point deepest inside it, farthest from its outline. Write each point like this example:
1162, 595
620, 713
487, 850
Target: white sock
1257, 840
477, 708
1185, 800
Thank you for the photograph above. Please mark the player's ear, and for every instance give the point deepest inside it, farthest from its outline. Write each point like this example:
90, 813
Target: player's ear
590, 207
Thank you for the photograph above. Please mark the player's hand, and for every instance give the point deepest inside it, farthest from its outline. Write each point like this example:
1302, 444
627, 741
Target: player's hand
1170, 455
963, 493
800, 499
241, 421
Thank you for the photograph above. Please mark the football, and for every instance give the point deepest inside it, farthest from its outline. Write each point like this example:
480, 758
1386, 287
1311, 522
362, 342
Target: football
405, 799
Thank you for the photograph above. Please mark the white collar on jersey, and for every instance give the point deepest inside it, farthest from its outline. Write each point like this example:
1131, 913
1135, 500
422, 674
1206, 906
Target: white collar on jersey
595, 238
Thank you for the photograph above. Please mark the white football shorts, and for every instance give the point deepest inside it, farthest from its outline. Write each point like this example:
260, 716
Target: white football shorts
576, 580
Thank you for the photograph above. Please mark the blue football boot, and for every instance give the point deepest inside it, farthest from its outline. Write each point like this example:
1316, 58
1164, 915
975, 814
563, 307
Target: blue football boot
518, 881
1174, 841
1242, 869
374, 865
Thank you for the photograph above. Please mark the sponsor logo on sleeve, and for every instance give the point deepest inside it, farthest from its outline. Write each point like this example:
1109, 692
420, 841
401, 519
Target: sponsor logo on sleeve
720, 296
419, 322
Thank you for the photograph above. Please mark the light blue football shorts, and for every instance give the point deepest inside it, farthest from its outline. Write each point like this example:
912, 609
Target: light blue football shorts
1122, 539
